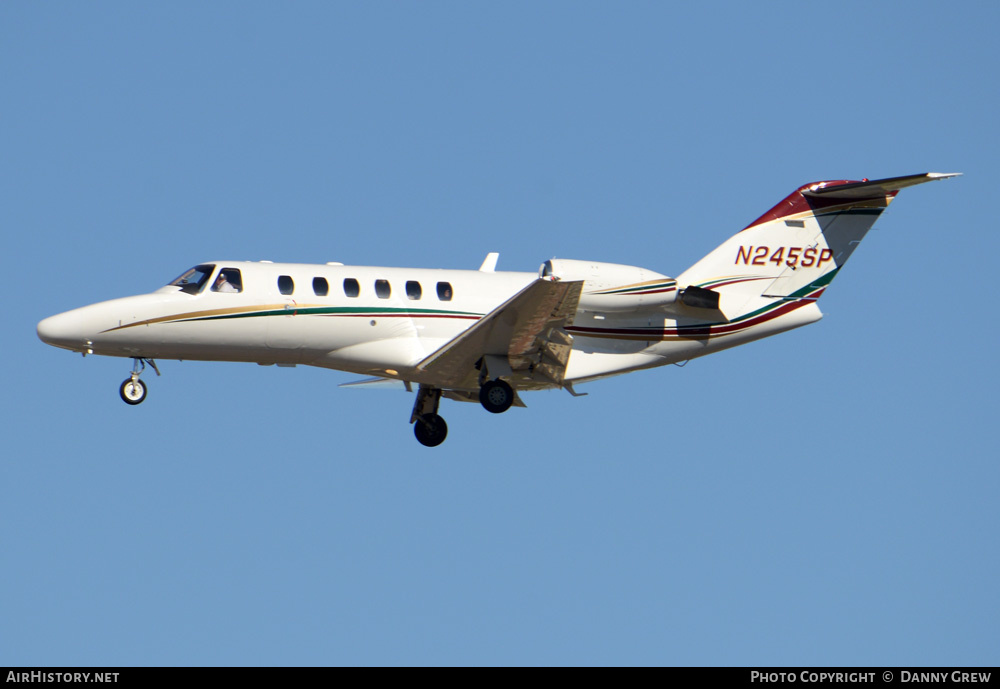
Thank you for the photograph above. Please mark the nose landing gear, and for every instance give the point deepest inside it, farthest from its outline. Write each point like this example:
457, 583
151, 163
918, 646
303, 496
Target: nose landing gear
133, 390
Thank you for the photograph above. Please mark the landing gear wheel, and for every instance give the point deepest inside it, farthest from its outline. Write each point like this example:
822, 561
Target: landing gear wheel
496, 396
133, 391
431, 430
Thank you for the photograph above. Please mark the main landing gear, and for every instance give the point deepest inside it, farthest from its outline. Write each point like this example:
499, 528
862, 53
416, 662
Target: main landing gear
133, 390
430, 429
496, 396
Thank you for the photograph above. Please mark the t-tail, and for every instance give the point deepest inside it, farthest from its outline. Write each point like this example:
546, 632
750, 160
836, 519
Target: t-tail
791, 253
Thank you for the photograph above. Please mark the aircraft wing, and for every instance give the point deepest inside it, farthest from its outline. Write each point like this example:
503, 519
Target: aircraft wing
521, 340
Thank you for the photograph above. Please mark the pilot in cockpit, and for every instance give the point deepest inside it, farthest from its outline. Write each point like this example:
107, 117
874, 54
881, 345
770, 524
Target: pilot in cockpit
222, 284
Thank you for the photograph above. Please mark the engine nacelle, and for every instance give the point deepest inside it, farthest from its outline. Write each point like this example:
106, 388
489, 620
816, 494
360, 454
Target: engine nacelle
612, 287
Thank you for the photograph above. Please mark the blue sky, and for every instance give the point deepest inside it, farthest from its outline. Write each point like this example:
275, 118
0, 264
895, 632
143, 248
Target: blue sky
827, 496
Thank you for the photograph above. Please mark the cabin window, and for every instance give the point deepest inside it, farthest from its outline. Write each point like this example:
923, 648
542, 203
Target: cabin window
285, 284
321, 287
382, 289
229, 280
413, 289
351, 287
193, 281
444, 291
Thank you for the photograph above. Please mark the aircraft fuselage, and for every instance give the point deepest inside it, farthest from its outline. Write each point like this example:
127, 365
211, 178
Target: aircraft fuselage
367, 320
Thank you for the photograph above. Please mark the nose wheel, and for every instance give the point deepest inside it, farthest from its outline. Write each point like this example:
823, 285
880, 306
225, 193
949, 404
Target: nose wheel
133, 390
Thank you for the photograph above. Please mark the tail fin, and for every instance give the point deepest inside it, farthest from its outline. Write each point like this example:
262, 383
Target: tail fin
793, 251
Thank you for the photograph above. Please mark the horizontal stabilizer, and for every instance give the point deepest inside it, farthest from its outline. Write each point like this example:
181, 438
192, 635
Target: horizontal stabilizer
874, 188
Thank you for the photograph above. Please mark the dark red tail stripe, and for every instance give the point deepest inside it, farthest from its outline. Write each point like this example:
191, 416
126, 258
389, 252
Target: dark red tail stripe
796, 203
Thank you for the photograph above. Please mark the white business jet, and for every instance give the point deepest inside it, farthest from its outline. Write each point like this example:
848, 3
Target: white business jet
484, 335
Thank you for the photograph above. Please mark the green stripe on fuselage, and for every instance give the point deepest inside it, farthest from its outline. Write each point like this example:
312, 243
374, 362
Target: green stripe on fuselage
822, 282
338, 311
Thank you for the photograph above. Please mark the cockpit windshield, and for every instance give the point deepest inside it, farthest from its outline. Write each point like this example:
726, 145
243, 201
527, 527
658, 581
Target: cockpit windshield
193, 281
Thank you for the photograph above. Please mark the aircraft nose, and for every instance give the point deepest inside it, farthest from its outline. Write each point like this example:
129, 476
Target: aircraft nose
63, 330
